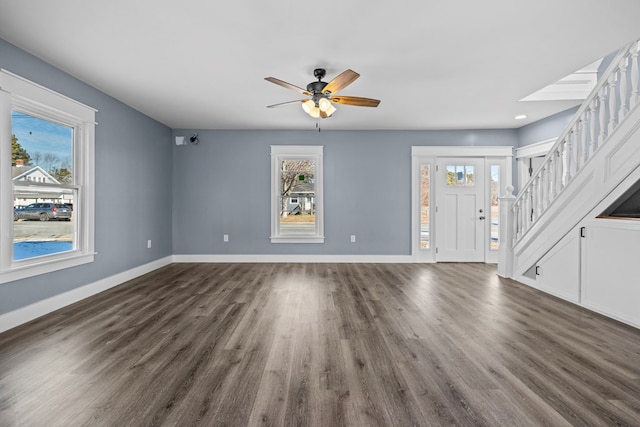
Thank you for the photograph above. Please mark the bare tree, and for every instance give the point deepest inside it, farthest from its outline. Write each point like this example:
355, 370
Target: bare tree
36, 157
292, 173
49, 161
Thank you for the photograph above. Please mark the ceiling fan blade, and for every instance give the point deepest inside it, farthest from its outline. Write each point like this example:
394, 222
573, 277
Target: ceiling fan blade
288, 85
355, 100
341, 81
285, 103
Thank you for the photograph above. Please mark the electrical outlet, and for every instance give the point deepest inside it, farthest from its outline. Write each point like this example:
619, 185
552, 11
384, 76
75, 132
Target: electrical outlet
225, 238
353, 238
149, 244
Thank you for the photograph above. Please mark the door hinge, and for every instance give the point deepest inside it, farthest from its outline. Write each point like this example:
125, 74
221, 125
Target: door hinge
436, 209
436, 250
436, 168
583, 232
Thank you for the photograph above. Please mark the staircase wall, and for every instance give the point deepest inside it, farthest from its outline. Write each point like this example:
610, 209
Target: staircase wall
607, 170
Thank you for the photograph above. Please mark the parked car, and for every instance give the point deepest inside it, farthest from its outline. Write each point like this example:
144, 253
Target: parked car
43, 212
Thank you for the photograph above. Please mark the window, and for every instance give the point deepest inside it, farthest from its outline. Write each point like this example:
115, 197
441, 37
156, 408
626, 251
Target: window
495, 207
424, 206
46, 169
296, 194
460, 175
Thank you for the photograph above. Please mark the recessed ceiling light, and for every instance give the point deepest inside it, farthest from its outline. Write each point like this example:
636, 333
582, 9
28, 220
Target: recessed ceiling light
521, 116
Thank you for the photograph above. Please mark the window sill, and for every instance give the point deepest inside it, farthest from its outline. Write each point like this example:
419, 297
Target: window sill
44, 266
297, 239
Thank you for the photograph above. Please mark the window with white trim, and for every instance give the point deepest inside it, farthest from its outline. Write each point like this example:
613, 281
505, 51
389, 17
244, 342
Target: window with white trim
296, 175
46, 180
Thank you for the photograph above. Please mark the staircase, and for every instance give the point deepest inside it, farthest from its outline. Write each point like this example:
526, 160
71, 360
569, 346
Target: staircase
596, 156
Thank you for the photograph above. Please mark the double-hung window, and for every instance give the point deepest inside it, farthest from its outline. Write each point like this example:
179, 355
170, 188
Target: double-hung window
46, 180
297, 194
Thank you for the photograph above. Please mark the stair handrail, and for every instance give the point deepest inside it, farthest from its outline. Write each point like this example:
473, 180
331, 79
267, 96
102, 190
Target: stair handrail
586, 132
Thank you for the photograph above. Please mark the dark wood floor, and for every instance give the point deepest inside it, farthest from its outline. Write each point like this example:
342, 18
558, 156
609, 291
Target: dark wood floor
320, 344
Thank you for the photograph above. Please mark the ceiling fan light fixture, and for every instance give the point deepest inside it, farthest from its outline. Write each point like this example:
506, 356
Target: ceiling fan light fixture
326, 107
330, 110
309, 107
324, 104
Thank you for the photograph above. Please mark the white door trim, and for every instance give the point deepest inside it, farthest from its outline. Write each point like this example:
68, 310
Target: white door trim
429, 154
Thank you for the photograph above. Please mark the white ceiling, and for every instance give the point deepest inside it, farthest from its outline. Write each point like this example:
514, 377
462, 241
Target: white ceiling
200, 64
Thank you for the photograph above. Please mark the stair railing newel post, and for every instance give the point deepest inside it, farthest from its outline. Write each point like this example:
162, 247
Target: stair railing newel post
508, 232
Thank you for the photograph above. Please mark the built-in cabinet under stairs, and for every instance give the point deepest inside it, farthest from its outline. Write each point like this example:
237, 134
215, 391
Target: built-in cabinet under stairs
566, 232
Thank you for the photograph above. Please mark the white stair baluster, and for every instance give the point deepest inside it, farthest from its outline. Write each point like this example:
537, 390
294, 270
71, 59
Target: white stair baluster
602, 114
577, 147
527, 213
553, 176
560, 166
568, 159
517, 212
593, 146
549, 182
622, 112
635, 77
612, 104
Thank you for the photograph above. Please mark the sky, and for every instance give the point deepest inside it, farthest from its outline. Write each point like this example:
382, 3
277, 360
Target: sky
37, 135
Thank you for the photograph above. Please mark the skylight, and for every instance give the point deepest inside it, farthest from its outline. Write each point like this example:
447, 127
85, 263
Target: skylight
575, 86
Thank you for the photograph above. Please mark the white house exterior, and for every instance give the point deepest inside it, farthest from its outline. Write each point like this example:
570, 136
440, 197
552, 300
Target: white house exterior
27, 190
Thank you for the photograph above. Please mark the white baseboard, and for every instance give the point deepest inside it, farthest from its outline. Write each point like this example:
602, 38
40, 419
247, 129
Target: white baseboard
32, 311
378, 259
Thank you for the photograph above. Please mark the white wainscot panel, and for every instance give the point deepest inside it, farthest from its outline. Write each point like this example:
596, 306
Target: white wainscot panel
611, 283
559, 270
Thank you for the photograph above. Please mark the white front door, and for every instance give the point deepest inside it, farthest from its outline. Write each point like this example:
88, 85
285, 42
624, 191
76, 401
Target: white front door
460, 205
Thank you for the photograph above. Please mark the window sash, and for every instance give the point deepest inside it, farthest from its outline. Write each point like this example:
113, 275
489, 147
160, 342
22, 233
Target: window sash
280, 153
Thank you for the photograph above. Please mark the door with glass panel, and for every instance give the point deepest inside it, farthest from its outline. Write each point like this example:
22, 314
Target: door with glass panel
460, 210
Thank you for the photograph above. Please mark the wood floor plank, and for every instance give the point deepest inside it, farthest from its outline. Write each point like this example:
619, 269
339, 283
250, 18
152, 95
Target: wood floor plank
320, 345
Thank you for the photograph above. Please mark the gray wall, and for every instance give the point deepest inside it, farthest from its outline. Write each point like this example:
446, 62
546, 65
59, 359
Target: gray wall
547, 128
222, 186
133, 186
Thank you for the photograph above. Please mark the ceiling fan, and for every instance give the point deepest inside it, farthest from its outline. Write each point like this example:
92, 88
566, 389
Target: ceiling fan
323, 95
